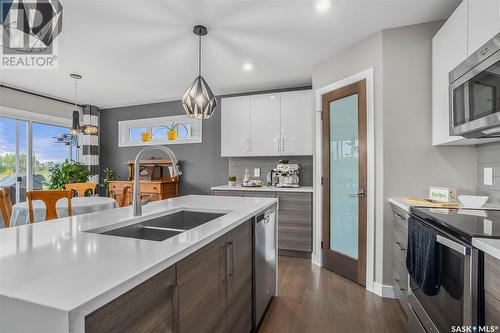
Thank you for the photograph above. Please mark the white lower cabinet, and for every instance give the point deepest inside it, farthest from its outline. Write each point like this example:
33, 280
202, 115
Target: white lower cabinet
268, 124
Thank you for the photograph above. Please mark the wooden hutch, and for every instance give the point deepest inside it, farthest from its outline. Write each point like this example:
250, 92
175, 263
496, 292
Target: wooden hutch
155, 182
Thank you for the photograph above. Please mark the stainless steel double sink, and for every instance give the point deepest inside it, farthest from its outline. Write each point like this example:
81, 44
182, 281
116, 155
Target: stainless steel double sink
164, 227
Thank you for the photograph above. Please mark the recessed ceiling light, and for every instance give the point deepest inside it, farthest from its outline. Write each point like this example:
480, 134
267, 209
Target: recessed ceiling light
322, 5
247, 66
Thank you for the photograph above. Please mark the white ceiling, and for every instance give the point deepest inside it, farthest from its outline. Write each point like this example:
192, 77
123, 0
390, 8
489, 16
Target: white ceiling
136, 52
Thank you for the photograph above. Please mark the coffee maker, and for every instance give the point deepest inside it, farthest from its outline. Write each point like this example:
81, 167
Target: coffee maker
287, 174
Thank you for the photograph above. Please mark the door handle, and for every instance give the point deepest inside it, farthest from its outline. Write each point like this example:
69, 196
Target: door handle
360, 194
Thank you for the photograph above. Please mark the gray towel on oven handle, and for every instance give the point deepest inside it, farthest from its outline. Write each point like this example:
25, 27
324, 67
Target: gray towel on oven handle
423, 257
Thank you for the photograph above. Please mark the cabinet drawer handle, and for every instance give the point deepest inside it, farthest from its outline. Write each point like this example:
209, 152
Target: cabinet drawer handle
398, 244
399, 286
399, 216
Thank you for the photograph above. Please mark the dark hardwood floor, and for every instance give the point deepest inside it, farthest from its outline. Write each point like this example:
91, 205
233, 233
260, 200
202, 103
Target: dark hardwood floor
313, 299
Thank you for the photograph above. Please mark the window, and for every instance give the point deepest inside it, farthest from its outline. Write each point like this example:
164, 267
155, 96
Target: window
161, 130
47, 152
135, 133
14, 147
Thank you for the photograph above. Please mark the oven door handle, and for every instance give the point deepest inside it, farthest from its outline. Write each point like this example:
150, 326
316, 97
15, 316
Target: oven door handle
466, 251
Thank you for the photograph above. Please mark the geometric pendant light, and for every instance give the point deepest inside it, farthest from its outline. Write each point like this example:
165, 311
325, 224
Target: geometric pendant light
198, 100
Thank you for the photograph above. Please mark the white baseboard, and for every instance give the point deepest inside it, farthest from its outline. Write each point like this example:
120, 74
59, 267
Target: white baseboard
383, 290
316, 259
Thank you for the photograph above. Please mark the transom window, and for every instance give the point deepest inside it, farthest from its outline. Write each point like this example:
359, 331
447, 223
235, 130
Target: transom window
161, 130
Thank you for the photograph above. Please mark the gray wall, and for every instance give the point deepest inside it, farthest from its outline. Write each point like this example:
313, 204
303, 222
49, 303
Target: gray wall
406, 164
237, 166
488, 156
201, 163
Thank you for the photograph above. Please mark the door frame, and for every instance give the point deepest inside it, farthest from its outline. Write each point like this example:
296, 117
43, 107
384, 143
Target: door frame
367, 75
335, 260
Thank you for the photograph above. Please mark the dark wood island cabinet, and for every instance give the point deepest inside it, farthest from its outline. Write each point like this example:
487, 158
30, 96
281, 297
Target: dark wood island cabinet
208, 291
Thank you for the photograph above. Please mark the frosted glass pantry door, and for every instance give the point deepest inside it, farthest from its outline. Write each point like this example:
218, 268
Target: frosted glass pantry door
344, 176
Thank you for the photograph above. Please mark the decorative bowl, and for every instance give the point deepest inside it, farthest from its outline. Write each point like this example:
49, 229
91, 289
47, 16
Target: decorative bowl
473, 201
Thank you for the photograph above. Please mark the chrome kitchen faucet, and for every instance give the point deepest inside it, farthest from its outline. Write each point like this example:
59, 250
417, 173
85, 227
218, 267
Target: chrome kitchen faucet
136, 200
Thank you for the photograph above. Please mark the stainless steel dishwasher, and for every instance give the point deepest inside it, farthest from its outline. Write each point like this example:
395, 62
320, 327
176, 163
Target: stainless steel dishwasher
265, 255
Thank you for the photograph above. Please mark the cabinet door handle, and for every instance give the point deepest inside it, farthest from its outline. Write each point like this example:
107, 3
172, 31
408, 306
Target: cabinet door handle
230, 245
399, 285
228, 260
398, 244
282, 145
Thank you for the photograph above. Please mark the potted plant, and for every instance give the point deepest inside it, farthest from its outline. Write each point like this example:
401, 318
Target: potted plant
172, 130
231, 180
109, 175
67, 172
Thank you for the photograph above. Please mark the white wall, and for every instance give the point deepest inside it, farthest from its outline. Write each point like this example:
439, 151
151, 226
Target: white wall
411, 163
27, 102
406, 164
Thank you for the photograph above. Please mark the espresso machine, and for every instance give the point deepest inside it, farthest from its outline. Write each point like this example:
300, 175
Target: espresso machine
284, 175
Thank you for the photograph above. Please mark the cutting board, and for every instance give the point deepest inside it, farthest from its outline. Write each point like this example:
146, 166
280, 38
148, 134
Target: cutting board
431, 203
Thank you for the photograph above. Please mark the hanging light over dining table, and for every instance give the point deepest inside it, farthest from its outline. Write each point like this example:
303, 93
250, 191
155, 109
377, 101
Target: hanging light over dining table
88, 129
198, 100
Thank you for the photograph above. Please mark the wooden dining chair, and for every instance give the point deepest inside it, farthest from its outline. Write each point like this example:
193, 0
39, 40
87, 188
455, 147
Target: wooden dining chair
5, 205
81, 188
123, 197
7, 195
50, 199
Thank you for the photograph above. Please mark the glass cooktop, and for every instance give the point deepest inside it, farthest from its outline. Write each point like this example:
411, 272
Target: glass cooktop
462, 223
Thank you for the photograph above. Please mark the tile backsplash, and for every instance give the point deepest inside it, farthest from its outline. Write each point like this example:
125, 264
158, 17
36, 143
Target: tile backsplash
488, 156
237, 166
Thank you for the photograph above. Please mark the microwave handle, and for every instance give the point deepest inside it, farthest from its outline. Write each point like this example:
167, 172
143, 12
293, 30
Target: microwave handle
466, 251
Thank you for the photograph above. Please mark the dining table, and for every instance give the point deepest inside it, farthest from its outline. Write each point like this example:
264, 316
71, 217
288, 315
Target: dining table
79, 205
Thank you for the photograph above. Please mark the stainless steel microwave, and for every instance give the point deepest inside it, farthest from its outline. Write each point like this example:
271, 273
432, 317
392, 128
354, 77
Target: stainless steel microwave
475, 93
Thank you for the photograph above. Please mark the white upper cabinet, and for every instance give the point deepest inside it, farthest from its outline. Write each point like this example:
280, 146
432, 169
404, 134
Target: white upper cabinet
265, 120
449, 48
484, 22
296, 123
235, 126
471, 25
267, 124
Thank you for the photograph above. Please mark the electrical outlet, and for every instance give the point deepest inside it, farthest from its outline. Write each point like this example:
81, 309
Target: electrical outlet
488, 176
256, 172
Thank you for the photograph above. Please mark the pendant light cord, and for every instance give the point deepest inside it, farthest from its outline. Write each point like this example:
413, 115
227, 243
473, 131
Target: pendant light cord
76, 94
199, 55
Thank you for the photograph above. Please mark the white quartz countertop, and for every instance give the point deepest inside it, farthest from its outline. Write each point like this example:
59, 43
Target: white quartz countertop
57, 265
399, 202
238, 187
487, 245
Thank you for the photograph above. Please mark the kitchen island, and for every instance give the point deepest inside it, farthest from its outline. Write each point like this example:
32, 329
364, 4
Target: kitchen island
63, 275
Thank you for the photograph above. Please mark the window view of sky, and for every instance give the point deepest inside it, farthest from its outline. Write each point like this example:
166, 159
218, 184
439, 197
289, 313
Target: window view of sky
45, 151
44, 147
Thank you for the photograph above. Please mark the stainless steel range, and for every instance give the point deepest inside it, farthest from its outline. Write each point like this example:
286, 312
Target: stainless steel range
460, 300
